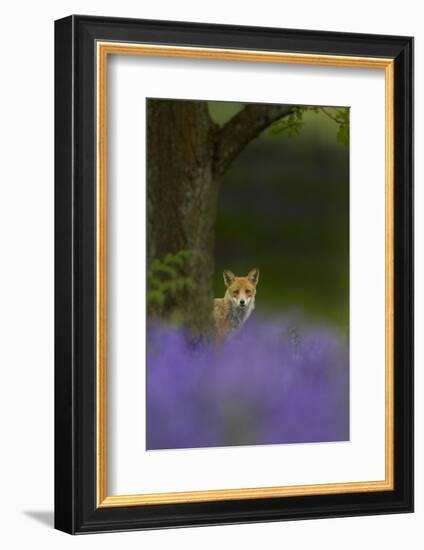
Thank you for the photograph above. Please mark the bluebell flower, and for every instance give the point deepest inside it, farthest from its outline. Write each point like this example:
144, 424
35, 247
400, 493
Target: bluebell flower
278, 380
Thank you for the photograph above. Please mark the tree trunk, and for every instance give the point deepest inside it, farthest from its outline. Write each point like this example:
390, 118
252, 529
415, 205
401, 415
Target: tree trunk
182, 199
187, 154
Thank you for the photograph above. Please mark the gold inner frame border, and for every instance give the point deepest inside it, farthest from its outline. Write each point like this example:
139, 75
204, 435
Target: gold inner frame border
103, 50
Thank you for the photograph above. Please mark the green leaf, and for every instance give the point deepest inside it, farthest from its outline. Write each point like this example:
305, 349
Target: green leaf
343, 135
154, 296
174, 259
165, 278
160, 267
186, 254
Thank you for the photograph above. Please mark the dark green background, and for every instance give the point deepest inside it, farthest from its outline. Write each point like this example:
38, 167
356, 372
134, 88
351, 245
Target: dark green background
284, 207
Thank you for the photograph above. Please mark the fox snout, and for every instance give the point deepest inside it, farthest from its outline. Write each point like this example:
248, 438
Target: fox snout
241, 302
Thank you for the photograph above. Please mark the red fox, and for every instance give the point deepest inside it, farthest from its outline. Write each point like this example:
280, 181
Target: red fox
232, 311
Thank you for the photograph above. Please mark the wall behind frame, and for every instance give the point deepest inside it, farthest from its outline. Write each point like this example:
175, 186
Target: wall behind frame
26, 274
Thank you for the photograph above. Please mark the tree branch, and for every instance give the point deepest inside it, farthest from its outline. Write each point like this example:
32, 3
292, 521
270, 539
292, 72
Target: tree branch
242, 128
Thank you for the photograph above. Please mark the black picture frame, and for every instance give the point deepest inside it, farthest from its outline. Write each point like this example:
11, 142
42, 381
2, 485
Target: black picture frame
76, 510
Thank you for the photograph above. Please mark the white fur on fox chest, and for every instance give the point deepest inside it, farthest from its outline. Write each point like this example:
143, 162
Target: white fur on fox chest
239, 315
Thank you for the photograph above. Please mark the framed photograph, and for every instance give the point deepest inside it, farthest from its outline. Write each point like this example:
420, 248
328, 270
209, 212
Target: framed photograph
233, 274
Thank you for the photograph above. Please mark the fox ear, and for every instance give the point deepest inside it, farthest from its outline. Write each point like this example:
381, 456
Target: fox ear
253, 276
228, 277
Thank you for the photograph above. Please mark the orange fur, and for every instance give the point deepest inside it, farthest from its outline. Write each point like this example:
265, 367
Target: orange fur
233, 310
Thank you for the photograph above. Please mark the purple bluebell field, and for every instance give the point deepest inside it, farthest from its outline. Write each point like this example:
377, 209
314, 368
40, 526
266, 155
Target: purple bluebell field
279, 380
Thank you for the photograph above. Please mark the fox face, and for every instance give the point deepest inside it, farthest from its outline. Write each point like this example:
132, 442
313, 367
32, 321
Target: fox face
241, 290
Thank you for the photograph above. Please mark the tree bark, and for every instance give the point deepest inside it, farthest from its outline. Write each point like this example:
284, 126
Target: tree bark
187, 155
242, 128
182, 198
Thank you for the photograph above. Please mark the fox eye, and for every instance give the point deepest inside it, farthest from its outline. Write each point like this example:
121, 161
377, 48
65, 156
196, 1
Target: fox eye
248, 292
235, 292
